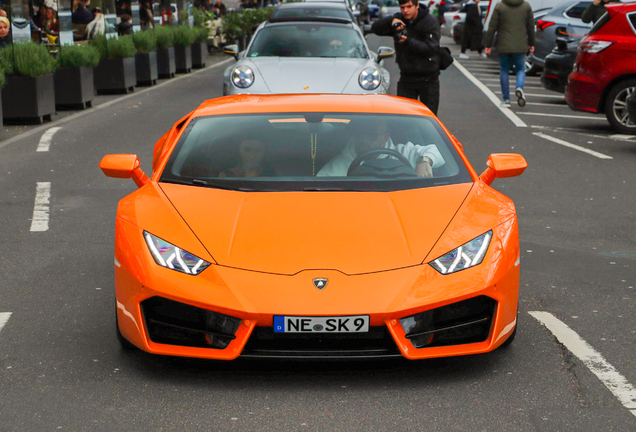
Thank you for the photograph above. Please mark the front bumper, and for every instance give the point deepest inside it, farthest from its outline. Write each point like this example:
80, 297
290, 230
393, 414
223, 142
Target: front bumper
252, 299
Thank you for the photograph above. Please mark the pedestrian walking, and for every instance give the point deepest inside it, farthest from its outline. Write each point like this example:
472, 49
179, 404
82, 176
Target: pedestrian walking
416, 34
513, 22
473, 30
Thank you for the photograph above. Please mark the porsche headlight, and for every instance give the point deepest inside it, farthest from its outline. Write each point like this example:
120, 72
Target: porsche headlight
169, 256
467, 255
242, 77
370, 78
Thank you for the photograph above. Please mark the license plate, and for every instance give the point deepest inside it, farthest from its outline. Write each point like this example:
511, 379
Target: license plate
341, 324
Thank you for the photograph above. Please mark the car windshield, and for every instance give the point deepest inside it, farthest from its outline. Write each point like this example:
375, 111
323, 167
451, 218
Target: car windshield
299, 13
314, 152
308, 40
391, 3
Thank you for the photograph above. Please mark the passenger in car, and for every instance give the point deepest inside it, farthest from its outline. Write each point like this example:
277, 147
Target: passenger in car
375, 135
252, 161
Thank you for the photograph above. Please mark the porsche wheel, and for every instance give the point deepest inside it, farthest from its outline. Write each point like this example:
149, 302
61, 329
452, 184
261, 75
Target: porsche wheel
616, 107
125, 344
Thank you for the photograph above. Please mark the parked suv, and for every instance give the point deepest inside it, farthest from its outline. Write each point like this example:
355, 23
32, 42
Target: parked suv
605, 70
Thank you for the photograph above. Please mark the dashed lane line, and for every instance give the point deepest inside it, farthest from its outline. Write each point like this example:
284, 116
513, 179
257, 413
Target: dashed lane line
4, 318
45, 140
570, 145
490, 95
539, 95
613, 380
40, 221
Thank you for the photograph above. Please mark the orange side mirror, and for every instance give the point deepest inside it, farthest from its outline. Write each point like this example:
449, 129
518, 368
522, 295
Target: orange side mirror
502, 165
123, 166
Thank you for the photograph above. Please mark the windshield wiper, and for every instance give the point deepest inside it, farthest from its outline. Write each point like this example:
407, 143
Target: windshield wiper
330, 189
205, 183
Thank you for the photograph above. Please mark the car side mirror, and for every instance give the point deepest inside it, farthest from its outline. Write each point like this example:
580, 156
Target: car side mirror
232, 50
502, 165
385, 52
123, 166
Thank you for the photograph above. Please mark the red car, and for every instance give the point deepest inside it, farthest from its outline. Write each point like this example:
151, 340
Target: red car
605, 70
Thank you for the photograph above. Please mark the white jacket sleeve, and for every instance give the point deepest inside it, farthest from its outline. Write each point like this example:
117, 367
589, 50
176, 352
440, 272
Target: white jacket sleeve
415, 152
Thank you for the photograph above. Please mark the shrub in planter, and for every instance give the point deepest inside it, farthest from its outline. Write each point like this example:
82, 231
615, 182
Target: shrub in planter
184, 37
74, 85
146, 58
200, 47
1, 85
116, 71
29, 94
166, 63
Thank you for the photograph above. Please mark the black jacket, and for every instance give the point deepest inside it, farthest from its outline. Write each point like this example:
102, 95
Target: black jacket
418, 56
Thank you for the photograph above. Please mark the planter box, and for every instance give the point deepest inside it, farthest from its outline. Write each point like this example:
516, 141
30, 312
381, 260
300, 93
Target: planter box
183, 55
74, 87
199, 54
116, 75
28, 99
146, 66
166, 64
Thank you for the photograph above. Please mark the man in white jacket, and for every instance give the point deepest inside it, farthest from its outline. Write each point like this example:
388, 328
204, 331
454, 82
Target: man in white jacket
422, 158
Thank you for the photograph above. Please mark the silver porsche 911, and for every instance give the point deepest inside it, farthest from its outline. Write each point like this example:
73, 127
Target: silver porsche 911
323, 56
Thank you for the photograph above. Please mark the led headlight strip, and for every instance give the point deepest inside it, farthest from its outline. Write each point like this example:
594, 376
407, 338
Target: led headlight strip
467, 255
170, 256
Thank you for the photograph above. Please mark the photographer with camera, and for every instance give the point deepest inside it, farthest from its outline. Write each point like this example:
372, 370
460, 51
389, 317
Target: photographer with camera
416, 34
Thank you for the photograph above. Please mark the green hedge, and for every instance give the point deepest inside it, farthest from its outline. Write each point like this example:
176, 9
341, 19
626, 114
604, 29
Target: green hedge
78, 56
1, 80
122, 47
145, 41
184, 35
26, 59
237, 25
202, 34
165, 36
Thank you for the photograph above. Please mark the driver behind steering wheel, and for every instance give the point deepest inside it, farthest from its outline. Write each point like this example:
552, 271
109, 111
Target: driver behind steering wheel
375, 135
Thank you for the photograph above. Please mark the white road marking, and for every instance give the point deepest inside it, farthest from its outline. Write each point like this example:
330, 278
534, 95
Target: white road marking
557, 105
490, 95
623, 137
579, 132
45, 141
525, 86
4, 318
613, 380
574, 146
563, 116
40, 221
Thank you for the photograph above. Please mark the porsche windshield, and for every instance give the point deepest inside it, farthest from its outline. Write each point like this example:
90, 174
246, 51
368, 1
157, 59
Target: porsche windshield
308, 40
315, 151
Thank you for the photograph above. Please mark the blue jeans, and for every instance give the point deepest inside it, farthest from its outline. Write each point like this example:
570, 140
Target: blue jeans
519, 60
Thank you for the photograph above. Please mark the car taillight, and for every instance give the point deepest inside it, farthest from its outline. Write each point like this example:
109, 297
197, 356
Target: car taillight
442, 3
594, 47
542, 24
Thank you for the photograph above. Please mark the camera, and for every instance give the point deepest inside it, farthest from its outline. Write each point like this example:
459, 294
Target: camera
397, 34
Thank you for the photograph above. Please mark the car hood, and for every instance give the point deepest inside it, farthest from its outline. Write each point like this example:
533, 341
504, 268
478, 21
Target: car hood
302, 75
288, 232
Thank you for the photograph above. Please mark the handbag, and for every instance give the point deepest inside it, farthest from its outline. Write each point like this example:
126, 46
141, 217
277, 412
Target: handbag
445, 58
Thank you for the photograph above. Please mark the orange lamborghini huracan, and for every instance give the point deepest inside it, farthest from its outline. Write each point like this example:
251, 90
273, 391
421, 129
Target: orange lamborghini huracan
319, 226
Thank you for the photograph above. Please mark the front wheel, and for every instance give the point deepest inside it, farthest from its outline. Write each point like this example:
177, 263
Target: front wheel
616, 107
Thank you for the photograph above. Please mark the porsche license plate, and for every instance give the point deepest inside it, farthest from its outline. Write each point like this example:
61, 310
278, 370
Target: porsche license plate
341, 324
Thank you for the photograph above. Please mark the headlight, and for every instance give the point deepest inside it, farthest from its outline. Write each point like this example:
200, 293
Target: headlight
370, 78
169, 256
242, 77
467, 255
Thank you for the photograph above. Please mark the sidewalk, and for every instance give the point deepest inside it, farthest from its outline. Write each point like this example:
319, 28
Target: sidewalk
9, 132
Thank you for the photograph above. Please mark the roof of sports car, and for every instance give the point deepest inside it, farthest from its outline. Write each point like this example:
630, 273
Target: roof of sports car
242, 104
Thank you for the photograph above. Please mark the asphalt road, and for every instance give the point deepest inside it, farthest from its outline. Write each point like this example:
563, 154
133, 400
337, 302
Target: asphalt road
61, 367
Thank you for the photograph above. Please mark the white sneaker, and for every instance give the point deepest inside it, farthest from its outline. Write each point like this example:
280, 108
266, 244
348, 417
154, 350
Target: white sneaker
505, 103
484, 55
521, 97
463, 56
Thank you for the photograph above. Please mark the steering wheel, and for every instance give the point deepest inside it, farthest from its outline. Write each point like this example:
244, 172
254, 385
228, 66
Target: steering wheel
373, 152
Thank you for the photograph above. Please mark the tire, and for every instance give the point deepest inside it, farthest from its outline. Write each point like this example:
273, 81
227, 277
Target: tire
125, 344
511, 338
616, 107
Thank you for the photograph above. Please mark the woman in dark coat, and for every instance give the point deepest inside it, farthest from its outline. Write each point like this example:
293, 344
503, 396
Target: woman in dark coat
473, 30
